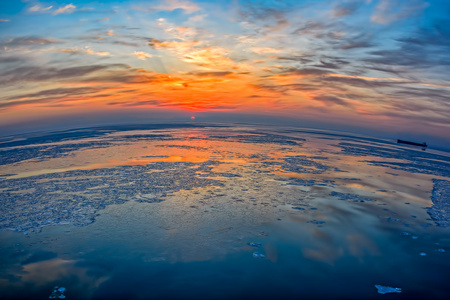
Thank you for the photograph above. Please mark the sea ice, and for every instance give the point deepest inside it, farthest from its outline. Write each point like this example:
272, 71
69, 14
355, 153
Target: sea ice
58, 293
316, 222
31, 203
440, 211
348, 196
298, 208
304, 164
413, 161
257, 254
256, 245
387, 289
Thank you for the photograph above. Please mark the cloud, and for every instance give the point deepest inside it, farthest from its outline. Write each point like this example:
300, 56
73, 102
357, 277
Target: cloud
302, 71
28, 41
5, 20
300, 58
181, 47
310, 27
344, 9
68, 9
100, 53
39, 8
211, 74
182, 33
439, 95
353, 44
140, 103
327, 65
209, 57
388, 11
408, 56
261, 50
267, 16
303, 87
121, 76
142, 55
438, 35
70, 51
425, 49
85, 50
333, 100
170, 5
197, 18
124, 43
10, 59
56, 92
39, 74
364, 82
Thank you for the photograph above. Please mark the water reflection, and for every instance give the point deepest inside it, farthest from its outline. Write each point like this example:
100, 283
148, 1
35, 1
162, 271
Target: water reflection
37, 279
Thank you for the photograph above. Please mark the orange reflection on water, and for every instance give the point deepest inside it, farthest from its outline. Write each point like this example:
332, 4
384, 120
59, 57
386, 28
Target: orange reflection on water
43, 273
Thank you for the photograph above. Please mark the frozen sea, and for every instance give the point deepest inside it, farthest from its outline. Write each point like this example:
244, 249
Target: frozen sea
211, 211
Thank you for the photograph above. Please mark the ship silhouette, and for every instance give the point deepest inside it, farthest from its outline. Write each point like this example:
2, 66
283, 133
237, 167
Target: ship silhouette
412, 143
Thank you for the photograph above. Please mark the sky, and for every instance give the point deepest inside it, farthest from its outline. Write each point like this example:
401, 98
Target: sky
355, 65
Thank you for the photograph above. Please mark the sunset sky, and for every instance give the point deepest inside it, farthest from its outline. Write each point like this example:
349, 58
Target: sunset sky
367, 65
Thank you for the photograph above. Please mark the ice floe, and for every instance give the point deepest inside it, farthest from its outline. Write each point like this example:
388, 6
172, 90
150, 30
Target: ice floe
58, 293
440, 211
348, 196
387, 289
257, 254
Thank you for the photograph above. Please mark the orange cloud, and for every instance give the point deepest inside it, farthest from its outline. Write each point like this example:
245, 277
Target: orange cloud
177, 32
69, 50
177, 46
214, 58
260, 50
142, 55
101, 53
208, 57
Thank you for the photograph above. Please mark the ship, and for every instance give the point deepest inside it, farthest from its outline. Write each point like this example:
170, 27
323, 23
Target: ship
412, 143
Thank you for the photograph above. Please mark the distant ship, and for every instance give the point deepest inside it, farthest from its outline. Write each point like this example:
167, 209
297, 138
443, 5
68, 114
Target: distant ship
412, 143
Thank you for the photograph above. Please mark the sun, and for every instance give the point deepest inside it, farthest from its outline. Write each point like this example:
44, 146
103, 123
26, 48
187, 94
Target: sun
192, 118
